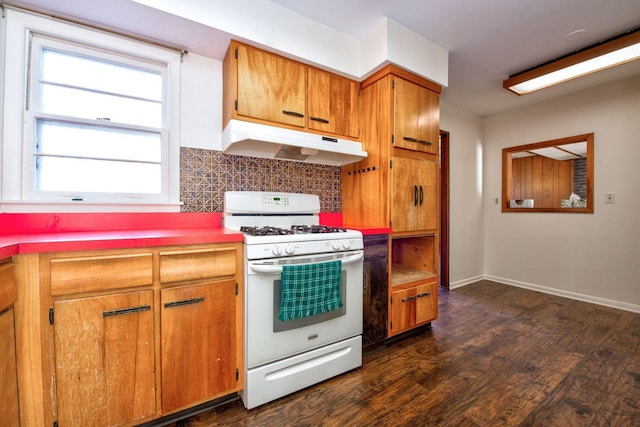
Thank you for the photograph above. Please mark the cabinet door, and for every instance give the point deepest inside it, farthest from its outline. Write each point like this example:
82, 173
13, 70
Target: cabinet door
428, 195
416, 124
270, 87
415, 194
429, 121
104, 357
413, 307
199, 343
333, 103
9, 413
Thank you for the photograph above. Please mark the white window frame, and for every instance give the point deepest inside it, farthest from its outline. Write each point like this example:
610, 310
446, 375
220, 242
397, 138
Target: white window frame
18, 121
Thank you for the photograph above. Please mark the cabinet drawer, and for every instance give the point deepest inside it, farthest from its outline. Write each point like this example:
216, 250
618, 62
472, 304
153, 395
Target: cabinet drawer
8, 293
177, 266
99, 273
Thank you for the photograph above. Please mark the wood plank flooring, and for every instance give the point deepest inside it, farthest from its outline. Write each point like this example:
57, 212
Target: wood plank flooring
496, 356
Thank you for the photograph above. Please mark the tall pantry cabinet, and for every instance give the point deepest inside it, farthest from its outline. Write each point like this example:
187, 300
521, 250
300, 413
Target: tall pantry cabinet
397, 186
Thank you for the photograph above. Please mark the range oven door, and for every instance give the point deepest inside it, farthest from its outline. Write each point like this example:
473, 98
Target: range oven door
268, 339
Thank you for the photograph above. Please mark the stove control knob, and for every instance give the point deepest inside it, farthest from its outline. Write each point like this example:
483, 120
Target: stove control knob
290, 249
276, 250
335, 246
347, 244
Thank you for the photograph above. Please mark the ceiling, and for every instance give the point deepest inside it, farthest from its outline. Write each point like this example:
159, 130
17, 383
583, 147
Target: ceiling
490, 40
487, 40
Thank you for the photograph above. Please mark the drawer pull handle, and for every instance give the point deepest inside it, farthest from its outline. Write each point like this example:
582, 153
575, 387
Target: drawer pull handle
411, 298
292, 113
407, 138
424, 142
319, 119
184, 302
124, 311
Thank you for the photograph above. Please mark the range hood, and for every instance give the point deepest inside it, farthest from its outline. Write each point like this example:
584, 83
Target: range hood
271, 142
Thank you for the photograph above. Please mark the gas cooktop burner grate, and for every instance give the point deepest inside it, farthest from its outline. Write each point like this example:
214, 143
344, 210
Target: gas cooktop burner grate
295, 229
317, 229
265, 231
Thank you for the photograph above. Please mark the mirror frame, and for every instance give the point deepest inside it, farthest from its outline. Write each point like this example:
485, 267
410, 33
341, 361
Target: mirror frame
507, 172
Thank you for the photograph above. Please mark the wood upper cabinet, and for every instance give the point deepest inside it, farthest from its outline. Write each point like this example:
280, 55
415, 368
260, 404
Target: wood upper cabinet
415, 185
270, 87
9, 406
199, 343
104, 359
395, 186
416, 117
266, 88
332, 103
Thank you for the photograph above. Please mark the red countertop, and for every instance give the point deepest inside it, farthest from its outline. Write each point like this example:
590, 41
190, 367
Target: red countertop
57, 232
335, 220
32, 233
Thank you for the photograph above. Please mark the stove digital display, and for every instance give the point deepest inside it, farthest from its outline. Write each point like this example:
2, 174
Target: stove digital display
275, 201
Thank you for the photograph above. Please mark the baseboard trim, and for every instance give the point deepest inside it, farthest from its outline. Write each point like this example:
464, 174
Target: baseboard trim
465, 282
553, 291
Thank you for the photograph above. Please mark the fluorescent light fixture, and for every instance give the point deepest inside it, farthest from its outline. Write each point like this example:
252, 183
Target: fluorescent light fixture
617, 51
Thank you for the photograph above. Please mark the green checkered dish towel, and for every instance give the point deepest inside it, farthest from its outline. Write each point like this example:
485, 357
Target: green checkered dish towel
310, 289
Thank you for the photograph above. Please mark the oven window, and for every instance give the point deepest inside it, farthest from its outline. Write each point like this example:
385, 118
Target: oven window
280, 326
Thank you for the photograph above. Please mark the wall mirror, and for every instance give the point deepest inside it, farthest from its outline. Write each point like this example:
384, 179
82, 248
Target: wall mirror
549, 176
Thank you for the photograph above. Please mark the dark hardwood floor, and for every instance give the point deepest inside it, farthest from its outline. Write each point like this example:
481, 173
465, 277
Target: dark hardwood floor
496, 356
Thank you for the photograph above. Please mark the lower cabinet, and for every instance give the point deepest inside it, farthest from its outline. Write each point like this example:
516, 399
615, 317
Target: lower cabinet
104, 359
413, 306
128, 336
413, 288
9, 406
199, 351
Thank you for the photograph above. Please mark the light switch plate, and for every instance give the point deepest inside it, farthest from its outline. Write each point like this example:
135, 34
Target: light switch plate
610, 197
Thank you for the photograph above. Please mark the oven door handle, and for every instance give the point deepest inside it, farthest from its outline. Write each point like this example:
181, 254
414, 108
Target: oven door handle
278, 268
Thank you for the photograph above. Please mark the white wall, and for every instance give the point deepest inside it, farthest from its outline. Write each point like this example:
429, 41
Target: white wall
201, 103
595, 257
274, 27
466, 250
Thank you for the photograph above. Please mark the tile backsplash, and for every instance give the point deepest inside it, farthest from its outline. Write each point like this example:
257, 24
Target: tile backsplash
206, 174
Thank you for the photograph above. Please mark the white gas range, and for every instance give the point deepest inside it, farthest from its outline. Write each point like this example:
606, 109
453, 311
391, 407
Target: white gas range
282, 231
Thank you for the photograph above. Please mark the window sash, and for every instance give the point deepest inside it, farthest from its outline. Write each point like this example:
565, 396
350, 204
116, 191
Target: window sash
97, 107
121, 183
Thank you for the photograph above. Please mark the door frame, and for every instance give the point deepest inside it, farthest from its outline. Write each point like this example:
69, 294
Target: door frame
444, 208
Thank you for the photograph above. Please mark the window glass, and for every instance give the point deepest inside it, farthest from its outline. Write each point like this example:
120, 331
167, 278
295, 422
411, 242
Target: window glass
73, 85
75, 158
68, 69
